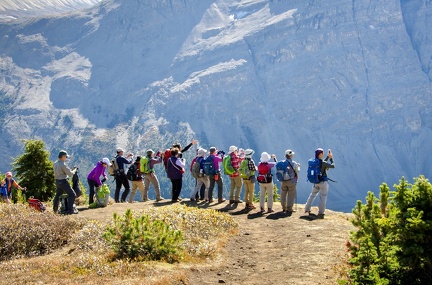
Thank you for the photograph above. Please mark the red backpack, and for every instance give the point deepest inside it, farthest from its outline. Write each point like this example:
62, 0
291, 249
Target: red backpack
167, 155
264, 173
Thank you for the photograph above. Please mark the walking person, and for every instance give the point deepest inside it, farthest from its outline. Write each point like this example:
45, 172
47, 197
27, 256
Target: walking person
61, 174
120, 177
9, 183
265, 179
235, 179
289, 185
93, 178
212, 170
175, 170
147, 168
322, 186
247, 173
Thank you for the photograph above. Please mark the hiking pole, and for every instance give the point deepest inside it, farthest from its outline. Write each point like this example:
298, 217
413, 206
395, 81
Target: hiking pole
295, 198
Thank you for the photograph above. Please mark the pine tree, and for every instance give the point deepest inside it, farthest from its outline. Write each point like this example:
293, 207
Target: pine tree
34, 170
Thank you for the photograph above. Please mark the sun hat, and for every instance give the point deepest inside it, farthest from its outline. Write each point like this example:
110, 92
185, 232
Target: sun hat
289, 152
63, 153
249, 152
265, 157
8, 174
119, 149
106, 161
318, 151
202, 152
232, 149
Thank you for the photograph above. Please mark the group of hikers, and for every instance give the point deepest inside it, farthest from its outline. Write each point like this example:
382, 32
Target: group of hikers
207, 168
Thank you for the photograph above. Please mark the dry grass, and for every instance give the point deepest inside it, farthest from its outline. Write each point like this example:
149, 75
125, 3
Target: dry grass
86, 258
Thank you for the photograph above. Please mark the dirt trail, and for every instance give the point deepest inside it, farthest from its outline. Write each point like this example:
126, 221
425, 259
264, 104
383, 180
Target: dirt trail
270, 249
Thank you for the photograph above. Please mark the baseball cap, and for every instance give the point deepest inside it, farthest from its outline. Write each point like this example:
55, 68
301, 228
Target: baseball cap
119, 149
8, 174
106, 161
212, 149
318, 151
63, 153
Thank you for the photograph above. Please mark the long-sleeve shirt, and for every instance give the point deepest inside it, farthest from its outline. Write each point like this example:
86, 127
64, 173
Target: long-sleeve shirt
235, 162
121, 161
153, 161
61, 170
325, 165
96, 173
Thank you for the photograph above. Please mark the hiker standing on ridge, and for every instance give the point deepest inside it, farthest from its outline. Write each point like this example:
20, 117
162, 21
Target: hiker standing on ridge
247, 172
120, 177
215, 158
175, 170
137, 180
147, 167
321, 187
289, 187
265, 180
236, 182
61, 174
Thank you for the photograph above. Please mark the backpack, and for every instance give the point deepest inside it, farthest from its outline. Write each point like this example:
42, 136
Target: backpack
264, 173
227, 165
208, 166
282, 171
196, 167
244, 170
113, 169
36, 204
132, 174
314, 170
145, 165
102, 196
167, 155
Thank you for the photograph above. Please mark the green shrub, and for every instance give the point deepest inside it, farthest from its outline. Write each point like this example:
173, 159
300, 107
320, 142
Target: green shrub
393, 242
143, 239
26, 232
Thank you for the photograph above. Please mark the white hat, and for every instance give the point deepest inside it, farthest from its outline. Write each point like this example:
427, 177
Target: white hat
249, 152
289, 152
202, 152
106, 161
265, 157
232, 149
119, 149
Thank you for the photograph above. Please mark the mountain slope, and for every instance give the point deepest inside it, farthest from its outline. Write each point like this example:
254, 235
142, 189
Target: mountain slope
269, 75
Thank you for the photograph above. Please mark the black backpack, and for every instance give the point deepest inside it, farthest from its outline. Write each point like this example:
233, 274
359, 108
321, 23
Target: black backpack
132, 174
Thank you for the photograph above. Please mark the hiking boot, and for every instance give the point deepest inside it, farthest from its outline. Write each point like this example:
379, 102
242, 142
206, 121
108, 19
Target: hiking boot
251, 206
232, 201
262, 210
238, 201
192, 200
160, 199
320, 216
221, 200
270, 210
211, 201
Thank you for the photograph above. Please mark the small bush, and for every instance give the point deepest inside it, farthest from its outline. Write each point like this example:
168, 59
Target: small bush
143, 239
26, 232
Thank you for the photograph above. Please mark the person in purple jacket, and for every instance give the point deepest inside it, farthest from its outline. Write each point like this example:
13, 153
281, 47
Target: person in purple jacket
93, 178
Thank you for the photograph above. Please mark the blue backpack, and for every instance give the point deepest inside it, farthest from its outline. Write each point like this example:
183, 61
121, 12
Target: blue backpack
314, 170
282, 171
208, 166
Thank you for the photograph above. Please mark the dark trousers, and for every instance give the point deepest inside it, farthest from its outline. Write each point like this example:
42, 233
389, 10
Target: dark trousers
92, 184
176, 188
64, 187
212, 185
121, 180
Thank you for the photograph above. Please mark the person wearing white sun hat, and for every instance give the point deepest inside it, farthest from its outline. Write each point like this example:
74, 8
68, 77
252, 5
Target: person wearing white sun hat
93, 178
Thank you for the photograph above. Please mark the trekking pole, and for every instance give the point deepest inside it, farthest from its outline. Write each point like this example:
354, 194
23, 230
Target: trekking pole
295, 198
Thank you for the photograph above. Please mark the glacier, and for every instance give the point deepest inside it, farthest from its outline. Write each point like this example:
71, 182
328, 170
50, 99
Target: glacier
353, 76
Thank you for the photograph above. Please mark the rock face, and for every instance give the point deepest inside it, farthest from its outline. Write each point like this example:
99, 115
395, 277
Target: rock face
353, 76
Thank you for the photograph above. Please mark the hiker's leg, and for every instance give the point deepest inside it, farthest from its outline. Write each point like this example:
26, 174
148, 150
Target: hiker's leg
262, 195
291, 194
322, 197
270, 195
312, 196
232, 187
134, 190
283, 195
155, 182
238, 187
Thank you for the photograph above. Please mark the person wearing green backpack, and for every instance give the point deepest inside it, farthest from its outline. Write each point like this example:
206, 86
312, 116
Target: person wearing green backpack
147, 164
232, 162
247, 173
